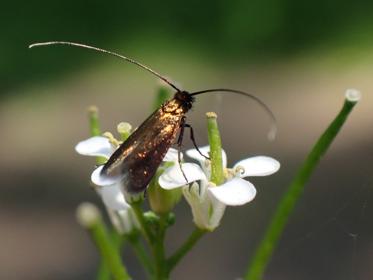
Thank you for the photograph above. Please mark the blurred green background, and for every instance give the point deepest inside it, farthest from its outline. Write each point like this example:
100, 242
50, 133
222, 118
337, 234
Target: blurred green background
297, 56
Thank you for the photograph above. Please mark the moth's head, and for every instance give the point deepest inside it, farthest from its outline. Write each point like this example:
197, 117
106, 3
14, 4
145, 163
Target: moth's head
185, 98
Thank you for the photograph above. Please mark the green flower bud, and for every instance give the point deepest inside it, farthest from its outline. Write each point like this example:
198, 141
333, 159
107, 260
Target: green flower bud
124, 129
162, 201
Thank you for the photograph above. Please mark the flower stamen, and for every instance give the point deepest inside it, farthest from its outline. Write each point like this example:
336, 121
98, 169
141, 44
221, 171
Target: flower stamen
112, 139
239, 171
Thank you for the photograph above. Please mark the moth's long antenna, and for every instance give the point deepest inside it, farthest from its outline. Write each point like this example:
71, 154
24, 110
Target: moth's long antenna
106, 52
273, 130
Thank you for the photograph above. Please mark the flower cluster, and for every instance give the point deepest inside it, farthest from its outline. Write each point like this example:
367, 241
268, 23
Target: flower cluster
207, 200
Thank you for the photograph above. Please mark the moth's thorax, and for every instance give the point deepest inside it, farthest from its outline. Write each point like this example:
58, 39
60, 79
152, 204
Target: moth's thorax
173, 106
180, 104
169, 117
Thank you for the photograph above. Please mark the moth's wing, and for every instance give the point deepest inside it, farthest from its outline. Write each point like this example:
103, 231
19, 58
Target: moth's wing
137, 159
113, 167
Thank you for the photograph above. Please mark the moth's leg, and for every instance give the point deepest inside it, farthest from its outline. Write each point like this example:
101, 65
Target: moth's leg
145, 193
195, 145
179, 144
181, 133
194, 140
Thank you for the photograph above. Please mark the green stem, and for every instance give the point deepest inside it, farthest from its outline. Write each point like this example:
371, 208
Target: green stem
158, 250
109, 252
141, 253
185, 248
103, 270
155, 240
286, 205
136, 206
217, 171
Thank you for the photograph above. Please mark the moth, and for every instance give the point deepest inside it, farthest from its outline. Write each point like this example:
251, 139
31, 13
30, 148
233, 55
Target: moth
136, 160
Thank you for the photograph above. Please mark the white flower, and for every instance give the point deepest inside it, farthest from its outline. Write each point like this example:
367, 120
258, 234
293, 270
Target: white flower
109, 189
208, 201
110, 192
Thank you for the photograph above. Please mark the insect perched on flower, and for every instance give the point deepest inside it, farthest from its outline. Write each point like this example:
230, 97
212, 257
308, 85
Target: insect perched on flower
135, 161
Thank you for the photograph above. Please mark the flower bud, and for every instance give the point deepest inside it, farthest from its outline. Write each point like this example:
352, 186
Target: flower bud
94, 123
162, 201
88, 214
124, 129
353, 95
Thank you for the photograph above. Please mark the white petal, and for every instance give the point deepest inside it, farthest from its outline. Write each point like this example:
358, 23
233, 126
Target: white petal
207, 210
196, 191
95, 146
257, 166
123, 220
117, 218
113, 198
194, 154
234, 192
173, 177
172, 155
101, 180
